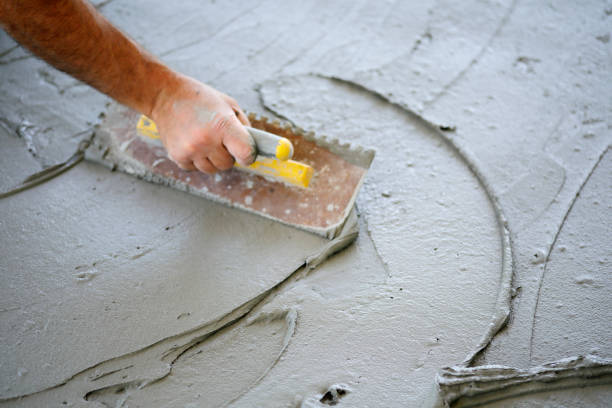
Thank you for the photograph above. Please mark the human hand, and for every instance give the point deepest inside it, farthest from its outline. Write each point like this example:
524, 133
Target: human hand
202, 128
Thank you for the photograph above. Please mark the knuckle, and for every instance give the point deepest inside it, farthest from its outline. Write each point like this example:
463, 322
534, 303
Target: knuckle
222, 124
189, 149
205, 166
227, 164
205, 143
177, 155
208, 169
184, 165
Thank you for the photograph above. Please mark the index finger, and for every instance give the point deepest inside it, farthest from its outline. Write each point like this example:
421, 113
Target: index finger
241, 116
239, 142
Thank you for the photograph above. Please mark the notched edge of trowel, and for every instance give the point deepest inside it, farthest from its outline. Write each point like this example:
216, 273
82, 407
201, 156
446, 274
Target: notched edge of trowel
357, 155
107, 150
354, 154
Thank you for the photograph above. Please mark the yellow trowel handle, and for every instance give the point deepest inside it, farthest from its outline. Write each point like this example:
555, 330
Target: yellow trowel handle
269, 144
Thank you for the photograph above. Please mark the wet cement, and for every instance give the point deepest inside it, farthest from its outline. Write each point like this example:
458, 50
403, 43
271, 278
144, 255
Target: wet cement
143, 264
491, 183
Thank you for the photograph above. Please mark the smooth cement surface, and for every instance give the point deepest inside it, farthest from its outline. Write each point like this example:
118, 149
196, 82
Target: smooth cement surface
481, 274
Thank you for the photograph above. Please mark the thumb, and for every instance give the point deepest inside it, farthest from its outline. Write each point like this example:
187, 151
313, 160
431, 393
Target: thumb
239, 143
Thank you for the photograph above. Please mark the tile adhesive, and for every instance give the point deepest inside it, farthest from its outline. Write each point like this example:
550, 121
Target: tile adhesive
473, 270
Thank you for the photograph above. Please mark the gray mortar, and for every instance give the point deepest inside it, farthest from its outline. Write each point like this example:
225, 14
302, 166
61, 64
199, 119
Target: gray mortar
491, 122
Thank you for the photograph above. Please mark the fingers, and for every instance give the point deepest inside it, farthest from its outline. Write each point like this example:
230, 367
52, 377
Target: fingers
237, 141
208, 143
208, 157
205, 166
221, 159
185, 165
218, 160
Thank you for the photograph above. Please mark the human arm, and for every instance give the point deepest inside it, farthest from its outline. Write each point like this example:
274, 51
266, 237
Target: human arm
200, 126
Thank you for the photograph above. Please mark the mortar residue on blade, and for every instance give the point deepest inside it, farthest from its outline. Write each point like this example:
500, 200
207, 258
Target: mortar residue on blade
322, 208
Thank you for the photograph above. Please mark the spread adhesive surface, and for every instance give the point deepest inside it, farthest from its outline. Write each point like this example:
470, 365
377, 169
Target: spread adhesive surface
480, 276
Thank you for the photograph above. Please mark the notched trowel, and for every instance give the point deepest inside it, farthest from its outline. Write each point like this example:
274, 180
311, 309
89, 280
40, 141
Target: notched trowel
298, 179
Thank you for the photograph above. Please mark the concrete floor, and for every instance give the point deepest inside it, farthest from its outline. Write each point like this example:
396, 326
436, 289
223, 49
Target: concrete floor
481, 274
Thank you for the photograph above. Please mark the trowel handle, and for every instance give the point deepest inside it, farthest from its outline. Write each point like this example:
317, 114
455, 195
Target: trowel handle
269, 144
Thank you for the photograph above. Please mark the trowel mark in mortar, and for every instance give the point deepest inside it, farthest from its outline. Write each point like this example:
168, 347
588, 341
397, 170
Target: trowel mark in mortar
546, 177
213, 372
15, 59
86, 276
552, 246
28, 133
334, 394
572, 314
155, 362
140, 254
8, 50
330, 397
50, 79
503, 21
152, 363
205, 39
479, 386
424, 57
102, 4
319, 83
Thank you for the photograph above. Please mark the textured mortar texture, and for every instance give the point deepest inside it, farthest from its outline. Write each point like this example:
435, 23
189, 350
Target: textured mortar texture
484, 223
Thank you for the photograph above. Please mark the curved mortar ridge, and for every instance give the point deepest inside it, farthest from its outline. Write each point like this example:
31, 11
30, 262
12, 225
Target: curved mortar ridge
554, 242
503, 302
475, 386
502, 22
290, 317
349, 233
106, 370
155, 361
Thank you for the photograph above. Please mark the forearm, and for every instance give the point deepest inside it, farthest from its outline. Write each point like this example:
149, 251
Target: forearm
72, 36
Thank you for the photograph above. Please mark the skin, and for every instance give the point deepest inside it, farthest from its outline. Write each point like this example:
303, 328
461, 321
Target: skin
201, 127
